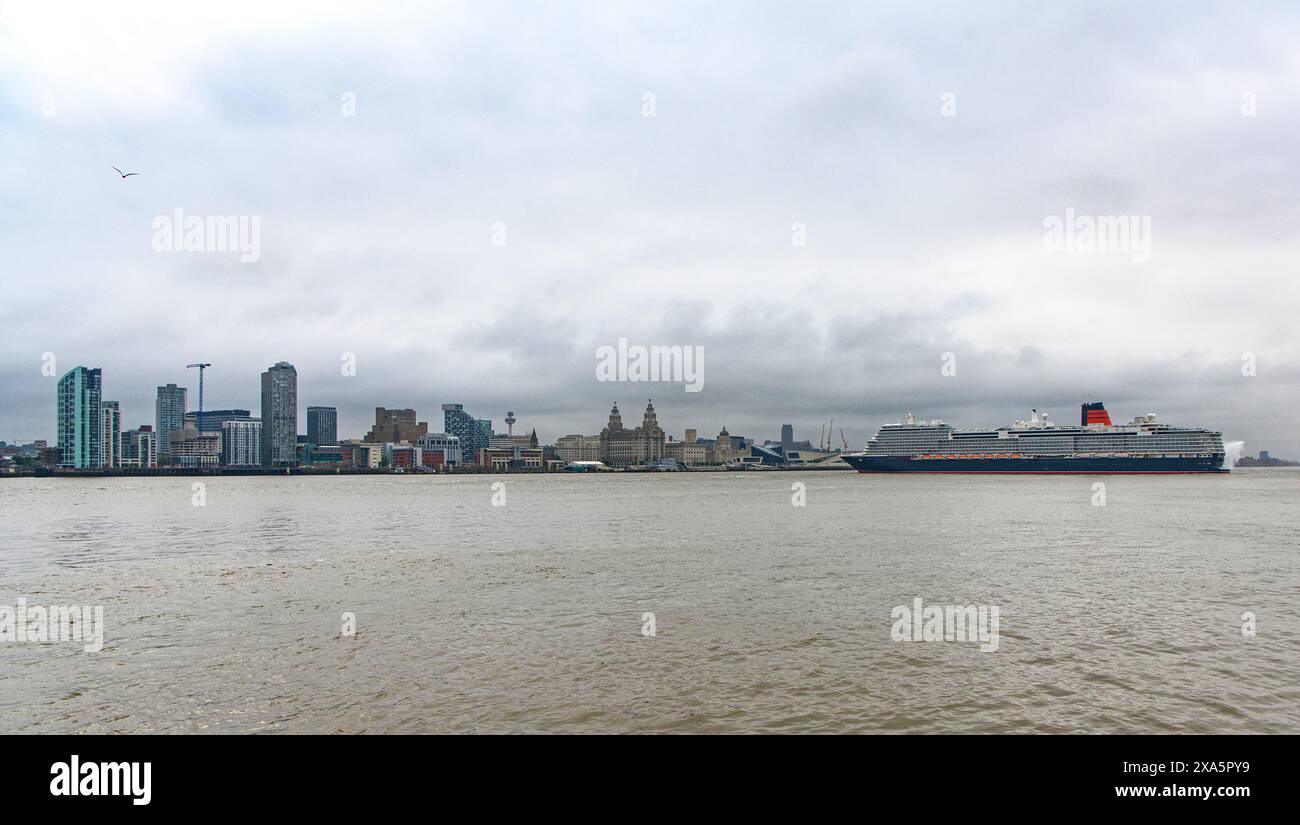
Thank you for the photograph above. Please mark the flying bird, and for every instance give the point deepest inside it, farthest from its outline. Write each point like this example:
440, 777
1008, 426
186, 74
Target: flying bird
124, 175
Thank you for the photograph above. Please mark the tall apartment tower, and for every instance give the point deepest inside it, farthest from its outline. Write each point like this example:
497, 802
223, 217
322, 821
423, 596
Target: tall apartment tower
111, 441
787, 437
280, 415
322, 426
241, 443
80, 416
169, 416
470, 431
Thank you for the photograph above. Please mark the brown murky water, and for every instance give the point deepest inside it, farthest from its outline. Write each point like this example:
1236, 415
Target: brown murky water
769, 618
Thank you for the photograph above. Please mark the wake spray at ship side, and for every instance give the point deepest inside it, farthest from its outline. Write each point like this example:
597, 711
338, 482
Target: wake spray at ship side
1232, 451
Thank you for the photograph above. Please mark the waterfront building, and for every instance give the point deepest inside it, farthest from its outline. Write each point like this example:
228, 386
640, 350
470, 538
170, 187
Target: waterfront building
79, 418
504, 458
280, 415
140, 447
322, 426
327, 454
111, 441
570, 448
401, 456
397, 426
241, 442
443, 444
787, 437
621, 447
800, 458
470, 430
361, 454
686, 452
190, 448
724, 449
502, 441
768, 453
214, 421
169, 414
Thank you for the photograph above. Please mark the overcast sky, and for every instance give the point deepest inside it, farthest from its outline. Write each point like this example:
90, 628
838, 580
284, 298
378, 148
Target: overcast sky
921, 146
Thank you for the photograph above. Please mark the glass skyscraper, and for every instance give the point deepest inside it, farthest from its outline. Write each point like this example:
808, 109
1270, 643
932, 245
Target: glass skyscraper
322, 426
111, 440
280, 415
471, 431
80, 415
169, 415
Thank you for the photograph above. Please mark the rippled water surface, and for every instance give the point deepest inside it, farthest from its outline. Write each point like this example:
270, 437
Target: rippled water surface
769, 617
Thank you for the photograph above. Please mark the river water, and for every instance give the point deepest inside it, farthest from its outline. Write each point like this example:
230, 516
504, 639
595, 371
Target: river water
527, 612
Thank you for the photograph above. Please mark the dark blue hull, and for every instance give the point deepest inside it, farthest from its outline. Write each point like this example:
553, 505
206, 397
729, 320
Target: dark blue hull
1099, 465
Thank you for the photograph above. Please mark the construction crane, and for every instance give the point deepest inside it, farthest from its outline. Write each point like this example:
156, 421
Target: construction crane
845, 440
201, 367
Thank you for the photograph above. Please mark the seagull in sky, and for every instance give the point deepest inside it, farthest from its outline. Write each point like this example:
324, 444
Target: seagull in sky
124, 175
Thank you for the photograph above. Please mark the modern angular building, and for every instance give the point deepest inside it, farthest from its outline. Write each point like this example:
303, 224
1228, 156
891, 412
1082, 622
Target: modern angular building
473, 435
280, 415
80, 417
322, 426
448, 445
111, 441
169, 414
140, 447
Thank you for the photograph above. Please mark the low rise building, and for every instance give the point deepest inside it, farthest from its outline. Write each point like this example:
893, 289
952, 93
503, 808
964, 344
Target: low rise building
361, 454
191, 448
140, 447
570, 448
443, 444
506, 458
685, 452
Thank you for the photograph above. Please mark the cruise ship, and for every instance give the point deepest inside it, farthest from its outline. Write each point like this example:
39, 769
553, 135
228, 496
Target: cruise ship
1039, 446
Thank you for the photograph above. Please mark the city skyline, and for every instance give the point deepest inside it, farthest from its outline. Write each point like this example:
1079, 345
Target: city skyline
887, 205
340, 418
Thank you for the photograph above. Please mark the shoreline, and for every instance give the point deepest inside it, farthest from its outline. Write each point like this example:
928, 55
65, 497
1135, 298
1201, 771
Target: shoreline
165, 472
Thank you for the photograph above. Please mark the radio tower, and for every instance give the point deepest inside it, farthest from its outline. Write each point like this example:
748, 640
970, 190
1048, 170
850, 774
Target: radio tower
201, 368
